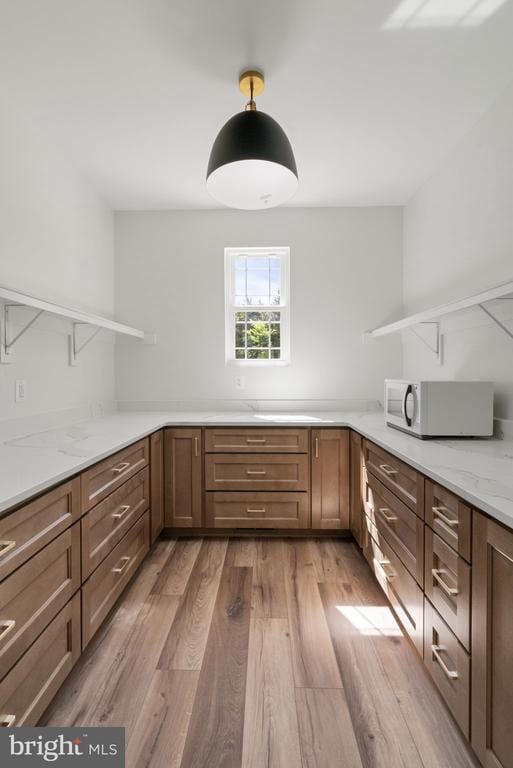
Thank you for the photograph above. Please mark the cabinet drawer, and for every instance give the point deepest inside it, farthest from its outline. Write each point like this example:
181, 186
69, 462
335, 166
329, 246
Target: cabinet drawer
236, 472
104, 586
401, 527
257, 510
251, 440
448, 664
449, 517
109, 474
107, 523
31, 596
403, 592
32, 683
447, 585
27, 530
404, 481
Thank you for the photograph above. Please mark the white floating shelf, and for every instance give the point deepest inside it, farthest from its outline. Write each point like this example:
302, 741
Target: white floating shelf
433, 314
11, 299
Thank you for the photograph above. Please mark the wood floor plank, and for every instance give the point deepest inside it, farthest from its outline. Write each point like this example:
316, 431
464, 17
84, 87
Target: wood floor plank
269, 596
175, 575
83, 688
332, 559
325, 729
271, 737
381, 731
126, 681
185, 644
313, 656
241, 553
215, 734
159, 734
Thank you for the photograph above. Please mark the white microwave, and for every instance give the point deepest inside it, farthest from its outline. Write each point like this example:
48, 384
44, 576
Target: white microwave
440, 408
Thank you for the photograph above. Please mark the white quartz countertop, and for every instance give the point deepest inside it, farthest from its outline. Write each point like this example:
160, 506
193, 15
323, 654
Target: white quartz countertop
480, 470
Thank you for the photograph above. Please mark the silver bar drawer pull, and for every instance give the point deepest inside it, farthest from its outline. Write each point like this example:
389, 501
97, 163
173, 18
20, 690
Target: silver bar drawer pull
388, 576
388, 470
251, 511
439, 512
121, 467
256, 472
5, 627
435, 649
256, 440
6, 546
387, 514
122, 565
7, 721
437, 575
121, 511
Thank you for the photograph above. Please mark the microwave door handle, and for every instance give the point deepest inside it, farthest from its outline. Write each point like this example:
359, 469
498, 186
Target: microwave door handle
408, 391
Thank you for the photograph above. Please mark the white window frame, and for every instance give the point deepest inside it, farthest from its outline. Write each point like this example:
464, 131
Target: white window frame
231, 308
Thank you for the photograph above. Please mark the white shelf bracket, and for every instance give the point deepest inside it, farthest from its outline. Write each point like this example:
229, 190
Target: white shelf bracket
76, 346
429, 334
7, 340
496, 320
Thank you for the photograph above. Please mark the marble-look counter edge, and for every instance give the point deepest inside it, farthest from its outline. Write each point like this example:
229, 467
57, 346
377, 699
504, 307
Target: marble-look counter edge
369, 425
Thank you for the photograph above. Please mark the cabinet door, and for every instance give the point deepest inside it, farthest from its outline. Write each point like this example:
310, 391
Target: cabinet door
492, 641
356, 507
183, 478
156, 484
330, 478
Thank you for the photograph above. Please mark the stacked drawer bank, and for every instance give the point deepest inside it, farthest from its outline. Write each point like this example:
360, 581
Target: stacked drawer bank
447, 571
64, 560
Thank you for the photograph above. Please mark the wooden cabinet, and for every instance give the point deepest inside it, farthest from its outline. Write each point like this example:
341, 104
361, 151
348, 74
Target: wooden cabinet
256, 440
271, 472
330, 479
183, 478
449, 517
106, 524
103, 478
404, 481
492, 643
403, 592
257, 510
104, 586
33, 595
448, 664
447, 585
356, 489
29, 528
156, 484
32, 683
396, 522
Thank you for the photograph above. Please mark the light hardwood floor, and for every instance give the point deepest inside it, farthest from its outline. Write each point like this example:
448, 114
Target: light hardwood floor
255, 653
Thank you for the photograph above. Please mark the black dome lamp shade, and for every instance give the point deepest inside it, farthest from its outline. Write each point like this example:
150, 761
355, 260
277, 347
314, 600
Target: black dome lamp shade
251, 164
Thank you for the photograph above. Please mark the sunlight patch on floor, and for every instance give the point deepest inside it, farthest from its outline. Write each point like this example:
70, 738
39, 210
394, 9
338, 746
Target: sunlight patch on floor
371, 620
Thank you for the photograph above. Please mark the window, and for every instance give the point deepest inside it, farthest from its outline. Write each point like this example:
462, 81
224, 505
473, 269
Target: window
257, 312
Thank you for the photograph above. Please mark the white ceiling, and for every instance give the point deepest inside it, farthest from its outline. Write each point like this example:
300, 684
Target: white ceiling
372, 93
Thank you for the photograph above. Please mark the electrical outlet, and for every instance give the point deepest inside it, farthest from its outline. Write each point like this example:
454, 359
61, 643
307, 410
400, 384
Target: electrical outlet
240, 382
20, 390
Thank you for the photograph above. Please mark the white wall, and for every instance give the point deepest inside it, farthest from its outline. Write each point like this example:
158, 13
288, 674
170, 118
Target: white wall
458, 239
56, 241
345, 278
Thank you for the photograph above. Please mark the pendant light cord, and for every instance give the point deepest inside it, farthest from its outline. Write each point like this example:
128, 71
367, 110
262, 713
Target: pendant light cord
251, 106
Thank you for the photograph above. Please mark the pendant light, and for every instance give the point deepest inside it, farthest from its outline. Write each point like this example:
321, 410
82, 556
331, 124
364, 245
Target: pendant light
251, 164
